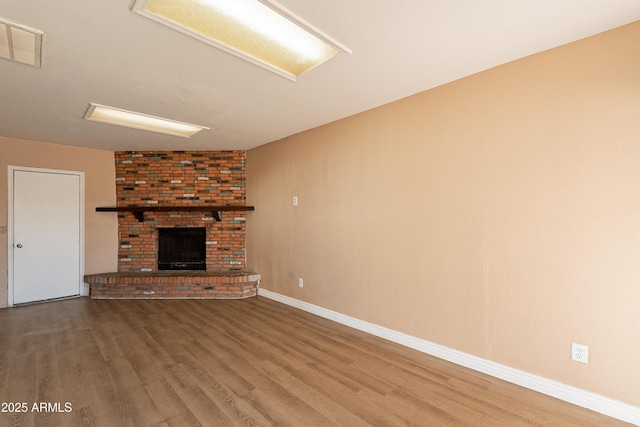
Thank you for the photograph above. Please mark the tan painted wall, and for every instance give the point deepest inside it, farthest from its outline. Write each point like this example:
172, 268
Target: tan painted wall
498, 215
101, 229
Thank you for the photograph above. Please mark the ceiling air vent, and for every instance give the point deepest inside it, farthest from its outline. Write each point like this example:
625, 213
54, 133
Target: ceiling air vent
21, 44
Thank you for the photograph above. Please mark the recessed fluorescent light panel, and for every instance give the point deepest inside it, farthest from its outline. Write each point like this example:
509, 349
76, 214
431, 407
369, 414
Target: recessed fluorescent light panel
130, 119
20, 43
259, 31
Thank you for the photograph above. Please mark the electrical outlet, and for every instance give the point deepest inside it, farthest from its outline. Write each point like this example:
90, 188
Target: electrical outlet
300, 282
295, 200
579, 352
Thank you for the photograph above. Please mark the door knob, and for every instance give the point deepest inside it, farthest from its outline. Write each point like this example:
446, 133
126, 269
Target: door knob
19, 245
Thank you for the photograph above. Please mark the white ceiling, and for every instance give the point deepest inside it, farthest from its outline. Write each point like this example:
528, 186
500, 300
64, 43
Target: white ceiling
99, 51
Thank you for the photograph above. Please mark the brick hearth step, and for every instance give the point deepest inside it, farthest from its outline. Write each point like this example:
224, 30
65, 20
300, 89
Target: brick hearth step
171, 284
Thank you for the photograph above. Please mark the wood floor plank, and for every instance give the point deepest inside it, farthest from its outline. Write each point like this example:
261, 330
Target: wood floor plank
282, 408
232, 405
48, 383
251, 362
170, 405
139, 406
362, 402
195, 399
223, 371
329, 408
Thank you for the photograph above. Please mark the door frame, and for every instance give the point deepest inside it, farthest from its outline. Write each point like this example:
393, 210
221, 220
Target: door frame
82, 291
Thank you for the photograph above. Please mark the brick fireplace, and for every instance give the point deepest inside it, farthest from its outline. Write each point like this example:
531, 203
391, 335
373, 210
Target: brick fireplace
186, 181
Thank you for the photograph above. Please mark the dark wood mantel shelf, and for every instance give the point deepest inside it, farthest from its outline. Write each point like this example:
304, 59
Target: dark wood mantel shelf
138, 211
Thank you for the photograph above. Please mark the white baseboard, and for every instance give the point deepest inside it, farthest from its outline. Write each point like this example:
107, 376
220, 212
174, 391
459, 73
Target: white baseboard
574, 395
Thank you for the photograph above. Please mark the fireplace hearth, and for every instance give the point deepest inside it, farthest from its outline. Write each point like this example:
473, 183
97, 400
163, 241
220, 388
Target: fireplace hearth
182, 248
174, 285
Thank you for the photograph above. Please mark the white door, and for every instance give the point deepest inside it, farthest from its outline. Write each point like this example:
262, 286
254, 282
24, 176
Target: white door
46, 244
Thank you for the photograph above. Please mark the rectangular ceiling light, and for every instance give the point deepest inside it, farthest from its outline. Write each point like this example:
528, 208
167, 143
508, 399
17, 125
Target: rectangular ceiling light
130, 119
21, 44
259, 31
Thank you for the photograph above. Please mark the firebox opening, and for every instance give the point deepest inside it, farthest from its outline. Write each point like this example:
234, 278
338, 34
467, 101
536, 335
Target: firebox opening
182, 248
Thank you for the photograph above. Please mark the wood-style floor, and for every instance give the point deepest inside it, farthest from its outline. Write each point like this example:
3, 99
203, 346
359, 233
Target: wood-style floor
238, 362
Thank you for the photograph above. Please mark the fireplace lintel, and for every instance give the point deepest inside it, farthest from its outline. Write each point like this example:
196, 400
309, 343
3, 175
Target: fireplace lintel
138, 211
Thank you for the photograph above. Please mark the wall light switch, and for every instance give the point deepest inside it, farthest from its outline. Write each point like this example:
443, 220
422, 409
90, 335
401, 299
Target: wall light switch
300, 282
